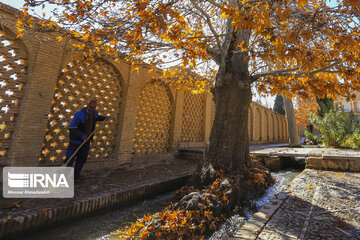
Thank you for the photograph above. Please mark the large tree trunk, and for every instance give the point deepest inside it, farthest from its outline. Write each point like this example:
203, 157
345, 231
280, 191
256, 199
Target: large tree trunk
228, 149
294, 139
227, 154
229, 142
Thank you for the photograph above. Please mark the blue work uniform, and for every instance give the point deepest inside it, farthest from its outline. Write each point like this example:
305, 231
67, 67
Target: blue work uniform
77, 136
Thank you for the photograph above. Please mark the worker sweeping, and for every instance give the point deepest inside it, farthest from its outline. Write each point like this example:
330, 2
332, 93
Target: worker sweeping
82, 129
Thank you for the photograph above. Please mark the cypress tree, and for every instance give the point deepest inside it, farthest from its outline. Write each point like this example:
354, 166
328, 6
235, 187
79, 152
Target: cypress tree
279, 105
325, 105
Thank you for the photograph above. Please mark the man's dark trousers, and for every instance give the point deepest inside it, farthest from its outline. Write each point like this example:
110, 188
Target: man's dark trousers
80, 158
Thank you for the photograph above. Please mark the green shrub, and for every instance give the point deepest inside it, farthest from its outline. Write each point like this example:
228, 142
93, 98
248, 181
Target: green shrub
311, 137
336, 127
352, 141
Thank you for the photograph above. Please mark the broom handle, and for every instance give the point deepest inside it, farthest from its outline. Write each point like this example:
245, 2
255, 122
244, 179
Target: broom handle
86, 140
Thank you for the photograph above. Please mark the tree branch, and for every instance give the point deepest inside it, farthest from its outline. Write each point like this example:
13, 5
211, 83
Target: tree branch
208, 21
279, 72
287, 72
215, 4
325, 68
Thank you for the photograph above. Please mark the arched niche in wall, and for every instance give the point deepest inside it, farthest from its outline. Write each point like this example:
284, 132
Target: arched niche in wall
193, 118
251, 124
266, 126
272, 127
153, 118
258, 125
13, 67
79, 82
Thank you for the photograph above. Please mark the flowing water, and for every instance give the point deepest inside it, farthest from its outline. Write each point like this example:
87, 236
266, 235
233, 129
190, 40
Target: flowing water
233, 224
102, 226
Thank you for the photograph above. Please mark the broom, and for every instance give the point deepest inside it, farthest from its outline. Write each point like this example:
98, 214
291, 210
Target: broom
86, 140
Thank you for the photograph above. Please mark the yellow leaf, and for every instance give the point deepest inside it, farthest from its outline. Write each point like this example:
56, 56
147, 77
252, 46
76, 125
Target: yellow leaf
59, 38
302, 3
224, 15
20, 35
85, 37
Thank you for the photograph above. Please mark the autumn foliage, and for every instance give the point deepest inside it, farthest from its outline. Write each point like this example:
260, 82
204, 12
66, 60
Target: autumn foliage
174, 223
290, 47
304, 108
293, 46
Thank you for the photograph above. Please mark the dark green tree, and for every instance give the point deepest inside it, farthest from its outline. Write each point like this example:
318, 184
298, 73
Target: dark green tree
279, 105
325, 104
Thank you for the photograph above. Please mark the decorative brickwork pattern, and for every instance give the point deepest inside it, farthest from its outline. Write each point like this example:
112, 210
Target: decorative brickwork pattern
78, 83
192, 122
251, 124
12, 72
258, 125
212, 116
272, 127
152, 119
266, 127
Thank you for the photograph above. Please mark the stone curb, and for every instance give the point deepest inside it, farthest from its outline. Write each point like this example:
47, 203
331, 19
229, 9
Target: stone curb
313, 160
28, 220
328, 162
253, 227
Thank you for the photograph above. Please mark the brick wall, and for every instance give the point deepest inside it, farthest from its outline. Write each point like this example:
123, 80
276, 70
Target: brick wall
266, 126
35, 107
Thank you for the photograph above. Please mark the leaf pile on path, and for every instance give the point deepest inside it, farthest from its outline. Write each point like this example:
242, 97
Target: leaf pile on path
198, 213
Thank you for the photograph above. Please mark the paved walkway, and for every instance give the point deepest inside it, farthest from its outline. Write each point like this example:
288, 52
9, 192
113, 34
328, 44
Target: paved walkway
317, 158
258, 147
307, 152
316, 205
96, 191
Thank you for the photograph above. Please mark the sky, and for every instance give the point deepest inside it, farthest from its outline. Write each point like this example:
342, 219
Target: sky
268, 101
13, 3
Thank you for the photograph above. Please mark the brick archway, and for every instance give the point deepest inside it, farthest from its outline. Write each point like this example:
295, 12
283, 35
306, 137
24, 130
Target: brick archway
258, 125
251, 124
152, 119
13, 69
79, 82
266, 126
193, 118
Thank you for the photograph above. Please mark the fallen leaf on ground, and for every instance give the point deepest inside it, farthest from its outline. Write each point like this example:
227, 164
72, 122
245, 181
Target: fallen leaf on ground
12, 205
5, 218
44, 209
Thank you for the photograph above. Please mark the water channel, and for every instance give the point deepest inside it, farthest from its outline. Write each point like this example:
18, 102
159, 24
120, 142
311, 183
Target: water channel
103, 225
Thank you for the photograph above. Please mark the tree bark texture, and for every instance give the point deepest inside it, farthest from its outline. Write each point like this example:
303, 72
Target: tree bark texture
228, 149
294, 139
229, 141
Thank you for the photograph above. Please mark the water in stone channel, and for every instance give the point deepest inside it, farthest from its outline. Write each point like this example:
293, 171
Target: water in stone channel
102, 226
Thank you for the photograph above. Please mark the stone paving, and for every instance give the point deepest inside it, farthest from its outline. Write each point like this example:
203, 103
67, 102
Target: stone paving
317, 158
98, 190
307, 152
94, 192
316, 205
